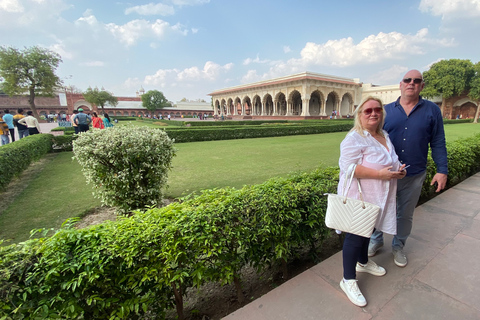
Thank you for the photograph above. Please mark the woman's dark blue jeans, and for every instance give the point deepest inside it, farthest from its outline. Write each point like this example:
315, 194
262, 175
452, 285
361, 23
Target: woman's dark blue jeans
355, 249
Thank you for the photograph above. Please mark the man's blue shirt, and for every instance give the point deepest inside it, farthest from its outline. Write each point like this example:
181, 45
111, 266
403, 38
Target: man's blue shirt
411, 135
8, 118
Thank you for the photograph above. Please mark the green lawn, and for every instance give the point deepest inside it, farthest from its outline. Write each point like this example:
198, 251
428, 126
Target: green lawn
60, 191
57, 193
213, 164
456, 131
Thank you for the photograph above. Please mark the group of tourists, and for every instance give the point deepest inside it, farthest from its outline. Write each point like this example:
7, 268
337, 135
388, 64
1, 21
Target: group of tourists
385, 141
81, 121
26, 125
29, 125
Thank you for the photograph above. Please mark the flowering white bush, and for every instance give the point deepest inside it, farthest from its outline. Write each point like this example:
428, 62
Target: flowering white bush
128, 166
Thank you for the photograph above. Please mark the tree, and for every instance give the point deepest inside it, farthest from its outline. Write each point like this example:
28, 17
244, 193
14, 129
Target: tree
154, 99
29, 71
448, 78
474, 92
100, 97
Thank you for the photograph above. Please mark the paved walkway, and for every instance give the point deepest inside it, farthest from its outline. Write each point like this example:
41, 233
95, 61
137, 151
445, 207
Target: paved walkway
441, 280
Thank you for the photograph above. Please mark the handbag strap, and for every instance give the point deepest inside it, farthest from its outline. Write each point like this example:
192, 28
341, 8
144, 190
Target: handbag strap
346, 186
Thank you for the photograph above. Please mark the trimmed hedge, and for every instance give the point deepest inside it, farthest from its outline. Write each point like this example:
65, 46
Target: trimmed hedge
454, 121
226, 133
63, 143
16, 157
144, 264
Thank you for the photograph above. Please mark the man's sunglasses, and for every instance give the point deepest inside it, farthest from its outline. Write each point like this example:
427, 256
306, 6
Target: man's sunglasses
370, 110
415, 80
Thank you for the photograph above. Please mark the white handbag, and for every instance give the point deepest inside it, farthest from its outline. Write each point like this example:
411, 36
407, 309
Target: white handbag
351, 215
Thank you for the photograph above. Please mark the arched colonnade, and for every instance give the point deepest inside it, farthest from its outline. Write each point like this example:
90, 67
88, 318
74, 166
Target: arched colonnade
305, 94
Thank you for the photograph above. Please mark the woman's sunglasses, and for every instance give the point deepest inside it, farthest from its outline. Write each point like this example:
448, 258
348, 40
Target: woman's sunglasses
415, 80
369, 111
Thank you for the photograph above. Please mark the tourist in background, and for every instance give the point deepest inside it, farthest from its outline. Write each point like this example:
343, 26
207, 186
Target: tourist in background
377, 169
83, 121
106, 121
97, 122
22, 129
72, 120
8, 118
31, 122
4, 132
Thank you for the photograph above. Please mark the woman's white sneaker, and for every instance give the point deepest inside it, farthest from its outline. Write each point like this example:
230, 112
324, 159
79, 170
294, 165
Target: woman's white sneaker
353, 293
372, 268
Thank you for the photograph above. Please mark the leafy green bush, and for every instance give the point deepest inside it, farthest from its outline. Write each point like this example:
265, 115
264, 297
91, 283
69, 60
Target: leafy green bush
92, 273
463, 160
127, 165
16, 157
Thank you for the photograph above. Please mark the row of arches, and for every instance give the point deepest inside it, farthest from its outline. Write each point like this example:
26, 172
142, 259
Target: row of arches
315, 104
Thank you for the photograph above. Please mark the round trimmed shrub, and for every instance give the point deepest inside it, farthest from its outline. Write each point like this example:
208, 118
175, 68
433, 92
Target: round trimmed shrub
128, 166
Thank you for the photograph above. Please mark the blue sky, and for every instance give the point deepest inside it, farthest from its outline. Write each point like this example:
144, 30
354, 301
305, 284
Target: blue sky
189, 48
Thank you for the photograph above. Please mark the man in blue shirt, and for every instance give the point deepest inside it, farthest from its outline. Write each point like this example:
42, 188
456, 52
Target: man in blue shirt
8, 118
82, 120
413, 124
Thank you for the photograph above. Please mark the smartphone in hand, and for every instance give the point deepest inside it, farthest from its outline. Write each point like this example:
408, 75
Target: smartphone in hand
403, 169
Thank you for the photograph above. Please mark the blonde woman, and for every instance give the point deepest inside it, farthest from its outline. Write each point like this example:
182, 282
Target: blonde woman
367, 145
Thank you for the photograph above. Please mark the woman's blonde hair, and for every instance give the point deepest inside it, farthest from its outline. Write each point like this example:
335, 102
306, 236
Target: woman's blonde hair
357, 125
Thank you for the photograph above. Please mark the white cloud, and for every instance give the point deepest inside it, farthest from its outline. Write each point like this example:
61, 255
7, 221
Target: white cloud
341, 53
192, 77
286, 49
88, 18
374, 48
451, 8
163, 9
180, 29
182, 3
37, 15
248, 61
161, 77
210, 71
60, 48
152, 9
251, 76
135, 30
11, 6
391, 75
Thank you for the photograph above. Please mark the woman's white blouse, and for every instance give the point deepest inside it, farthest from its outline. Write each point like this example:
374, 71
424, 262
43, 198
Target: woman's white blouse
368, 152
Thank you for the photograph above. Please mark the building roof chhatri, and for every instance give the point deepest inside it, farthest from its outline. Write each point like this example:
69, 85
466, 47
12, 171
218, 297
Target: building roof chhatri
294, 77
